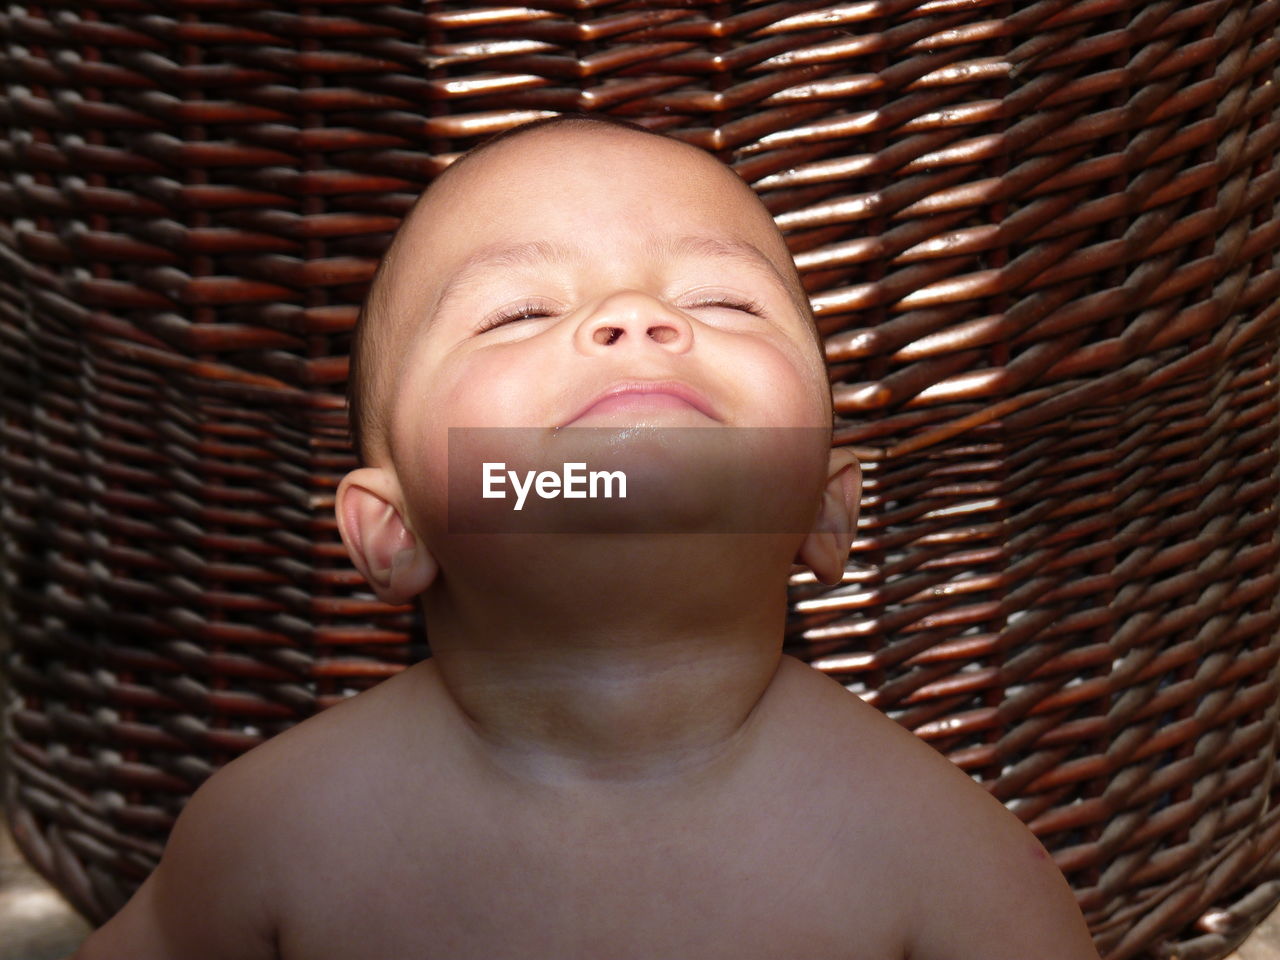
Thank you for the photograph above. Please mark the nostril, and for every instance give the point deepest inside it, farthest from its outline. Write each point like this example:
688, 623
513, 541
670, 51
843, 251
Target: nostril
606, 335
662, 334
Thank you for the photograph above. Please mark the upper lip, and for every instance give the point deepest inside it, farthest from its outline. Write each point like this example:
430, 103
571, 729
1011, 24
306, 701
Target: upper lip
673, 388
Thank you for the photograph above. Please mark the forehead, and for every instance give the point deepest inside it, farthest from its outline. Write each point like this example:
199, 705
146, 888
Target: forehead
598, 190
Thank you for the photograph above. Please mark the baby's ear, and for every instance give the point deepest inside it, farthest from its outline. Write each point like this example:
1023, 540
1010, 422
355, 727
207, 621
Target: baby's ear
826, 548
395, 562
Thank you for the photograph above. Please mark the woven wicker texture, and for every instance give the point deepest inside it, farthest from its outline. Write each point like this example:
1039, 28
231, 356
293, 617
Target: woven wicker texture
1041, 240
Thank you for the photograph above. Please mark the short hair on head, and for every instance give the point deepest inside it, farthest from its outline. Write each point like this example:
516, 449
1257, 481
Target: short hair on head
365, 420
559, 120
370, 351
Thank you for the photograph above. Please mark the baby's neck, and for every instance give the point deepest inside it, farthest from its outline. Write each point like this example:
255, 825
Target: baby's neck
579, 676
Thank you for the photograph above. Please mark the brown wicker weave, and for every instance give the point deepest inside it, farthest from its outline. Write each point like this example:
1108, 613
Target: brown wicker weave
1041, 240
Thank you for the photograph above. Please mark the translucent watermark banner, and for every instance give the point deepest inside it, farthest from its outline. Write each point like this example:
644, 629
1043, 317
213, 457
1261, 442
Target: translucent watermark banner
590, 480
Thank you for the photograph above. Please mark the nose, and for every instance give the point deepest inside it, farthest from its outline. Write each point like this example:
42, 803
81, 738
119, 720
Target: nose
631, 319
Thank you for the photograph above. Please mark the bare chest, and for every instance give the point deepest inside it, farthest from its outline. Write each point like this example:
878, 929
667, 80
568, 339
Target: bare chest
484, 889
419, 856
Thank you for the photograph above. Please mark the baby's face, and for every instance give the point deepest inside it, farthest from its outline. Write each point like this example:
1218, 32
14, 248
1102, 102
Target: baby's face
565, 265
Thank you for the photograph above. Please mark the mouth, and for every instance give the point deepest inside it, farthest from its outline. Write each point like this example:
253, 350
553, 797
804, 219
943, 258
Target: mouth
642, 396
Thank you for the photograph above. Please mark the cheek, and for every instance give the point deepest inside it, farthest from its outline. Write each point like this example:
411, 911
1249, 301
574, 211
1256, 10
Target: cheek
420, 453
789, 384
492, 388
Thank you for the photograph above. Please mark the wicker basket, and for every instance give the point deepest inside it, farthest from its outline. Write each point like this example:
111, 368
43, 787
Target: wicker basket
1041, 240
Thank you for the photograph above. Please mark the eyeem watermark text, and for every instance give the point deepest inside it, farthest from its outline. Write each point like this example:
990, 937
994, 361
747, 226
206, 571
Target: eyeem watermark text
574, 482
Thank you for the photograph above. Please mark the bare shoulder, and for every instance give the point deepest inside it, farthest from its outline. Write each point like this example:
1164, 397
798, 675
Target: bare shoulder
210, 897
329, 767
229, 865
861, 740
971, 879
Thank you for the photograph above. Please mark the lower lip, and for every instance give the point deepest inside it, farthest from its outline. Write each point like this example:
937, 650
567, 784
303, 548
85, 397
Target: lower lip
638, 402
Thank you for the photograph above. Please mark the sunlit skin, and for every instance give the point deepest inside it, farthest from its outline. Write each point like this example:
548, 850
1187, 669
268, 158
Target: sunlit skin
656, 252
607, 754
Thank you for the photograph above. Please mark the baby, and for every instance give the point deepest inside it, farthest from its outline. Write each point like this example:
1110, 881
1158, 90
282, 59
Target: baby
607, 754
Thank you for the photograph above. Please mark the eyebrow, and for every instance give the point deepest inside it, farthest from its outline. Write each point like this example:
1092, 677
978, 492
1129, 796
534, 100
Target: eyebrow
540, 252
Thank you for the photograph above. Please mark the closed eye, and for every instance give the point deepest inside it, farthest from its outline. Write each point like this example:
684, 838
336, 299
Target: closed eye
743, 305
524, 311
